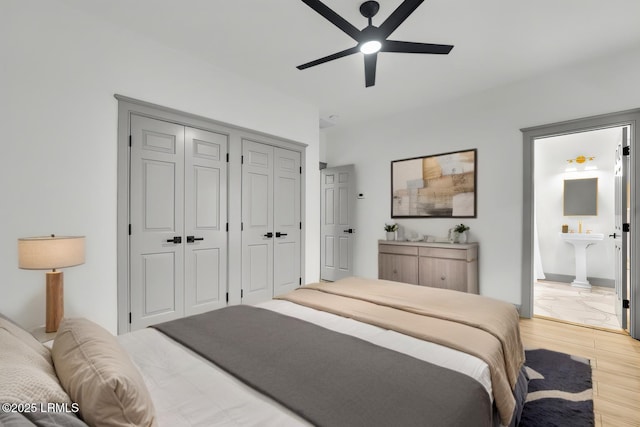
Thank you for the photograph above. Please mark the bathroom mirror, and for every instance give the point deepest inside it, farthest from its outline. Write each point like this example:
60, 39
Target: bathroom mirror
581, 196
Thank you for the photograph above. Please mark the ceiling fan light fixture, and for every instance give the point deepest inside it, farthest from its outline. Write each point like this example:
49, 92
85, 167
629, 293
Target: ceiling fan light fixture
372, 46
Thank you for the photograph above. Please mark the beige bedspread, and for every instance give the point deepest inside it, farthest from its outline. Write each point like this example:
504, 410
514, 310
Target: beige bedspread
480, 326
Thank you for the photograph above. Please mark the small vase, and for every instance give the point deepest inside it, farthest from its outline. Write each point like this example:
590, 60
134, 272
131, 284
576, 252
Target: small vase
462, 237
391, 235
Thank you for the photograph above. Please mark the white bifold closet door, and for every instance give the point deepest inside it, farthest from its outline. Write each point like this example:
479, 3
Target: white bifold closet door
271, 227
178, 220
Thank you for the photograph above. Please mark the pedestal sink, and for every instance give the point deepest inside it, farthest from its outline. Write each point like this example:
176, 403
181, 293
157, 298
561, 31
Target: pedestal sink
580, 242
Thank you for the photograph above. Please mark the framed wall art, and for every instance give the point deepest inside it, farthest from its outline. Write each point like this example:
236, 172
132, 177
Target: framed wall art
437, 186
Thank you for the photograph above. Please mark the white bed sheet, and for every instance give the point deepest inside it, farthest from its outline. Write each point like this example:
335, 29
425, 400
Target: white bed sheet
188, 390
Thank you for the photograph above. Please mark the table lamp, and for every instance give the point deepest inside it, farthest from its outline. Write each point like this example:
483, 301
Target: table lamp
51, 252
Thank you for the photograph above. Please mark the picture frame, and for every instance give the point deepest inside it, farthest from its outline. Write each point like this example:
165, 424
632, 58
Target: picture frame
435, 186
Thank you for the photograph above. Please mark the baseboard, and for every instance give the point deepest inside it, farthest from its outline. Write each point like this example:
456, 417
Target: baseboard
595, 281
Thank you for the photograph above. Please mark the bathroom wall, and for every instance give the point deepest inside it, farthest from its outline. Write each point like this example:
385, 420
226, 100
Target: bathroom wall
551, 155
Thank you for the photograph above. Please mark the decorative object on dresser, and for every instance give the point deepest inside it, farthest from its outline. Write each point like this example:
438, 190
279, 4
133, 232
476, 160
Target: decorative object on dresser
391, 231
438, 186
458, 234
438, 265
51, 252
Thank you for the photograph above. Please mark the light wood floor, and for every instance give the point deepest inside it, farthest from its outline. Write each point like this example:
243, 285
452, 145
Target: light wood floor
615, 360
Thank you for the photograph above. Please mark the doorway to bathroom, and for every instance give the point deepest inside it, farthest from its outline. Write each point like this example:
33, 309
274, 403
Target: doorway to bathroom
576, 256
574, 202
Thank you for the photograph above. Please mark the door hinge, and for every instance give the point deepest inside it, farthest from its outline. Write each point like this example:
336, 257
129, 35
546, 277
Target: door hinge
242, 160
227, 296
129, 317
227, 226
227, 157
300, 281
625, 303
241, 293
300, 170
130, 143
625, 227
242, 226
626, 150
300, 225
129, 229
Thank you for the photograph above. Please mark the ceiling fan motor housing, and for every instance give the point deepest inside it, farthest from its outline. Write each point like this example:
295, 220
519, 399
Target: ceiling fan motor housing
369, 9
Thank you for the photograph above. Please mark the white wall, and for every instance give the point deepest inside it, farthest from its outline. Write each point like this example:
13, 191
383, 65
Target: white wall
489, 121
60, 70
551, 156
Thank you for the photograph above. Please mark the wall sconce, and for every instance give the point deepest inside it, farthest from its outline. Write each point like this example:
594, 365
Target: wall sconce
51, 252
581, 159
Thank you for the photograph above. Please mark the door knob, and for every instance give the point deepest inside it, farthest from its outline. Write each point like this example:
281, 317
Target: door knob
191, 239
279, 234
176, 240
349, 230
268, 235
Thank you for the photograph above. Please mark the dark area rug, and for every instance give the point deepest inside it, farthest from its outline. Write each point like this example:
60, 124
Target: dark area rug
560, 392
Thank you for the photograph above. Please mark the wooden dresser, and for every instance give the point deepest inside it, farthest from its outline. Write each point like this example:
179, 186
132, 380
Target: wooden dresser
439, 265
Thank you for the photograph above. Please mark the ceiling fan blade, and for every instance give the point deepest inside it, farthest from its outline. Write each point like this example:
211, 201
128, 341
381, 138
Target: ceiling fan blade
329, 58
398, 17
334, 18
370, 69
412, 47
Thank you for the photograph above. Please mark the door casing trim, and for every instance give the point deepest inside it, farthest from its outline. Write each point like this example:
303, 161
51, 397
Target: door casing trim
629, 118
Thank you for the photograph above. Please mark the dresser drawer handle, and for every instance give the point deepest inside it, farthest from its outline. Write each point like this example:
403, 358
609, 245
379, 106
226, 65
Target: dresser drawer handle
442, 278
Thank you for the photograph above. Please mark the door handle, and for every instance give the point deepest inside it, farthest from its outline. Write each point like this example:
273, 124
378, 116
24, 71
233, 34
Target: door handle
279, 234
176, 240
191, 239
614, 235
268, 235
349, 230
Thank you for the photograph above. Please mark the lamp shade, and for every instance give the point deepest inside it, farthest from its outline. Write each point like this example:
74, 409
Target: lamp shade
50, 252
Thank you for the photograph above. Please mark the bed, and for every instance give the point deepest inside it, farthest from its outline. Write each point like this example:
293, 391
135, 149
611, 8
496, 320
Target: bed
353, 352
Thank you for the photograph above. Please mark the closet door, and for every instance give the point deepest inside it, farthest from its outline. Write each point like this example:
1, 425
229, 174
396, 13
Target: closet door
156, 221
287, 226
205, 240
257, 222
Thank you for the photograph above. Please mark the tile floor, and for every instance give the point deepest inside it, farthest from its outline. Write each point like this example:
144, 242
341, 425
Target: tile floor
594, 307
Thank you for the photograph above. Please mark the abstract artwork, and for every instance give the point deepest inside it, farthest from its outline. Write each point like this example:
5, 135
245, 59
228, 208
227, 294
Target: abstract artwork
438, 186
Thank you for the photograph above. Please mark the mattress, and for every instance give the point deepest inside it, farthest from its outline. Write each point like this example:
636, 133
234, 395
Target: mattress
188, 390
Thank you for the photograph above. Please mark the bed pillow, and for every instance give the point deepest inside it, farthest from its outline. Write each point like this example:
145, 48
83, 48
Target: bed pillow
25, 337
98, 374
26, 376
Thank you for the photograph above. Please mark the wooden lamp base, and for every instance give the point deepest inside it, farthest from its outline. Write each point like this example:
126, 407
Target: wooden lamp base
55, 300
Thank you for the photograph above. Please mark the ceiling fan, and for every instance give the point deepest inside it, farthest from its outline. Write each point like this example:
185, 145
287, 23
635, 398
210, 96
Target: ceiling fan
372, 39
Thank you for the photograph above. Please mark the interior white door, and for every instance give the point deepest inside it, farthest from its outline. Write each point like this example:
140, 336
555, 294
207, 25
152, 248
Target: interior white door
337, 226
286, 219
156, 218
621, 173
205, 222
257, 222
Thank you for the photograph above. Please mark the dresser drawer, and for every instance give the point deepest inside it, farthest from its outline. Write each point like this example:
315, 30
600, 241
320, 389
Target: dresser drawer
398, 249
443, 253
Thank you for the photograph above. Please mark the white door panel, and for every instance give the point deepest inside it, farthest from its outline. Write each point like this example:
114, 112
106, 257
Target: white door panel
178, 217
205, 241
337, 222
156, 265
271, 210
257, 222
620, 236
287, 233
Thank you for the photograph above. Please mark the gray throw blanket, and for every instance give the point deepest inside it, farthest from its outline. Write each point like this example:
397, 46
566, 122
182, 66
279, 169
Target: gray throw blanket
328, 378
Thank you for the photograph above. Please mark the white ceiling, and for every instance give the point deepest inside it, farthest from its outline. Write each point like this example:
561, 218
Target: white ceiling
496, 42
